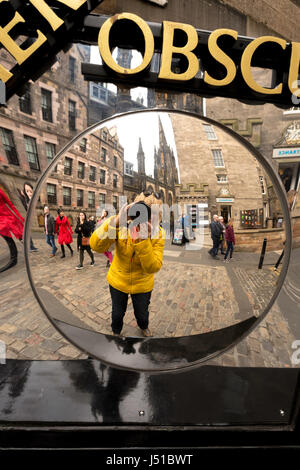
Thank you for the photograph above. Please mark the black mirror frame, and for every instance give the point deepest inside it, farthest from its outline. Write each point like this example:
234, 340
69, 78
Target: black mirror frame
161, 355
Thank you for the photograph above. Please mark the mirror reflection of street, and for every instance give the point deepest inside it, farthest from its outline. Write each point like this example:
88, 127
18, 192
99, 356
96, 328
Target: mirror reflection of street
205, 283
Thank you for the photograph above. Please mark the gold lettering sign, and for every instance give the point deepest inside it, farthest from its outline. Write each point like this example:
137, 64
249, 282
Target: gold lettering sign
294, 69
169, 49
49, 14
103, 42
246, 64
19, 54
221, 57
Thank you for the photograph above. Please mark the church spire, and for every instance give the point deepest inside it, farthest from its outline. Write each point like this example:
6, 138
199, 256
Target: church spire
141, 158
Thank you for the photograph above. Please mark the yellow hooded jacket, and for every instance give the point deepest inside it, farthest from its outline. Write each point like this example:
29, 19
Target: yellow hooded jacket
134, 264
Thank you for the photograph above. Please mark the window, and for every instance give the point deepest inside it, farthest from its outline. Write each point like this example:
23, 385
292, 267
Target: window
47, 105
72, 68
79, 197
95, 91
115, 202
50, 153
103, 155
209, 131
32, 154
80, 172
115, 181
218, 158
222, 179
83, 145
102, 176
91, 199
9, 146
104, 135
92, 176
262, 185
101, 199
72, 115
51, 194
68, 166
25, 102
115, 161
128, 170
67, 196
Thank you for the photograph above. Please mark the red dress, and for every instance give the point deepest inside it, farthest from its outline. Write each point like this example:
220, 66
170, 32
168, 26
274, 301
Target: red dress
65, 231
11, 221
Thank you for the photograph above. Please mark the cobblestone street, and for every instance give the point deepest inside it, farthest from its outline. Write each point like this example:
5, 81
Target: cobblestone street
193, 294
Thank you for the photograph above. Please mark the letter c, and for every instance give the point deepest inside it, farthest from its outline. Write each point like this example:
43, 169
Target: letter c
246, 64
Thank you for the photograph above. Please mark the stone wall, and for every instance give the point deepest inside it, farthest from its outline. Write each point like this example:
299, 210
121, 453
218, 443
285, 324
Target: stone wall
252, 239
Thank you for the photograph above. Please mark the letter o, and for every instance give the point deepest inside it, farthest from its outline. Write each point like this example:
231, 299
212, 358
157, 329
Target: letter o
103, 43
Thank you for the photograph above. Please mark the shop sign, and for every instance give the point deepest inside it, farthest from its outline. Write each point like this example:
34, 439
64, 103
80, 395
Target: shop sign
286, 152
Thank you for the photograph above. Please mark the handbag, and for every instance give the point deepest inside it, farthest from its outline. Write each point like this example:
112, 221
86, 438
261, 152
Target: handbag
85, 241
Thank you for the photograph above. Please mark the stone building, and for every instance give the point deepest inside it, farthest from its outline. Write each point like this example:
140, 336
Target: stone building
36, 125
90, 176
217, 170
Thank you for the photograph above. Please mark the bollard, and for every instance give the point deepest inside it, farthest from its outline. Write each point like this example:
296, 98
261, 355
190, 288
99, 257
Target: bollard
262, 254
279, 260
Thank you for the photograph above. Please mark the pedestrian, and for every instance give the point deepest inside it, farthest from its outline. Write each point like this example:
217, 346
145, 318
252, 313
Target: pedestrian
11, 223
230, 240
221, 246
92, 222
107, 253
65, 231
83, 228
216, 230
50, 230
25, 196
139, 246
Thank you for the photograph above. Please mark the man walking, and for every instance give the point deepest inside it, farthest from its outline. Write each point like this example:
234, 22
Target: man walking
216, 230
50, 230
222, 238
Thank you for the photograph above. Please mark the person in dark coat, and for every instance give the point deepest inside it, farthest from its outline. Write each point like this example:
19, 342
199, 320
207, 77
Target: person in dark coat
230, 240
50, 230
25, 196
84, 229
216, 231
65, 231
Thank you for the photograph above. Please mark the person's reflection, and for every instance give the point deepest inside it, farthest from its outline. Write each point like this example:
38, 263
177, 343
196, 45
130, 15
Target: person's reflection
126, 346
13, 377
107, 391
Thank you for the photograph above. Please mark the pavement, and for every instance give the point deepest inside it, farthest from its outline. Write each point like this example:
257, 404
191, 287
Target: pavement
193, 294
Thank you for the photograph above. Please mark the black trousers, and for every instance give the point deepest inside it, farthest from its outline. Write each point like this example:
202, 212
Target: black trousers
81, 254
63, 249
214, 250
13, 254
119, 304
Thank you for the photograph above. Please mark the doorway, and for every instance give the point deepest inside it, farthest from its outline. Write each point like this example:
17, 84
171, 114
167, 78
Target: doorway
226, 213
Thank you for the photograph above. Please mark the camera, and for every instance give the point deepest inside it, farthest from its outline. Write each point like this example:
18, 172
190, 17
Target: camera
139, 213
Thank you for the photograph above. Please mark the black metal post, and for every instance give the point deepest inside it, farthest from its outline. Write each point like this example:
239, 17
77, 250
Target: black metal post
262, 254
279, 260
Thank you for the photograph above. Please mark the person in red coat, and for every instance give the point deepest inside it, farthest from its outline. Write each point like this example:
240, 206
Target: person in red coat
230, 240
65, 231
11, 223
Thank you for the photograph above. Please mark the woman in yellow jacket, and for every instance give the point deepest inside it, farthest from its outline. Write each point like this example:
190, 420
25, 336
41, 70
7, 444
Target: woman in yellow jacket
138, 256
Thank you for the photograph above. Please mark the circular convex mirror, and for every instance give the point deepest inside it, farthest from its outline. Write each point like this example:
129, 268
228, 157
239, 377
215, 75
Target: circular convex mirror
177, 276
